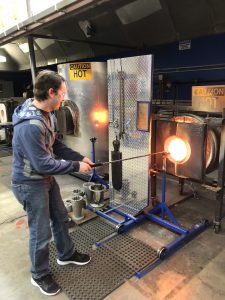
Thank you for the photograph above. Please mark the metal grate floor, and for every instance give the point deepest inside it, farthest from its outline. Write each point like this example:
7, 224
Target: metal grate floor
94, 281
110, 265
131, 251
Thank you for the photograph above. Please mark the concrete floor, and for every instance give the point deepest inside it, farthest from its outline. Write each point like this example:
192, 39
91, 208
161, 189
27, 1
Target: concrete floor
197, 271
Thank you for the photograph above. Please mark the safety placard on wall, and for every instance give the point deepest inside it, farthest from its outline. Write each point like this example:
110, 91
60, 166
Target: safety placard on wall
80, 71
209, 98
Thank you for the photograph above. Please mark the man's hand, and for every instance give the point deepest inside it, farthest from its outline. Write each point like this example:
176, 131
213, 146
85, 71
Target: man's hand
87, 161
84, 167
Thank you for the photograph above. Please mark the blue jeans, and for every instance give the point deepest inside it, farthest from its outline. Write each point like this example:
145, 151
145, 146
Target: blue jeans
47, 215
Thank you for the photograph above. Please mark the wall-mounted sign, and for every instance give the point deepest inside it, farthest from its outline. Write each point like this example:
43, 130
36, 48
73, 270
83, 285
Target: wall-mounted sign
185, 45
80, 71
143, 115
209, 98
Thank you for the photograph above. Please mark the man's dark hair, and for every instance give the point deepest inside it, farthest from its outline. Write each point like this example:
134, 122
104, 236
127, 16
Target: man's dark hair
45, 80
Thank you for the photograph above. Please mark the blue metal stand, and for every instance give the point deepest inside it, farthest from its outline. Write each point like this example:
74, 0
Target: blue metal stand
157, 215
128, 221
185, 234
173, 246
94, 175
164, 209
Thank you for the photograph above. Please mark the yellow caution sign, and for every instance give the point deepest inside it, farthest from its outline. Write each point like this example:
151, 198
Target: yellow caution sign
80, 71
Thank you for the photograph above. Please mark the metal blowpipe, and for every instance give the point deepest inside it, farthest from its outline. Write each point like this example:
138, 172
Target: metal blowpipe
99, 164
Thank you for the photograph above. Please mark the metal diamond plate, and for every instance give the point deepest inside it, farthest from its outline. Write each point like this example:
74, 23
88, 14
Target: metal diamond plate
129, 81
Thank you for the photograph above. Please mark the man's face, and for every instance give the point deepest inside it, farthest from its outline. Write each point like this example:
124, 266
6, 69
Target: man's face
58, 97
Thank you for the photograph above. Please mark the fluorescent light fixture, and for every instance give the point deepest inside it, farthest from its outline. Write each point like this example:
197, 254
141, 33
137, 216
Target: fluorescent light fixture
52, 61
2, 58
25, 48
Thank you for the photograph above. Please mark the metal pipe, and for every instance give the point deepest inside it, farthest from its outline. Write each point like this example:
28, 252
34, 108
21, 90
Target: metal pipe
122, 102
69, 40
123, 159
189, 69
32, 58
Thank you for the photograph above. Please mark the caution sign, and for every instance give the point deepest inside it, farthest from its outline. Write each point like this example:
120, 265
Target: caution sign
80, 71
209, 98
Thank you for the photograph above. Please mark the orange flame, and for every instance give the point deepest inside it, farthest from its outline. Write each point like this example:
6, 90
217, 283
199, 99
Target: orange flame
100, 117
178, 149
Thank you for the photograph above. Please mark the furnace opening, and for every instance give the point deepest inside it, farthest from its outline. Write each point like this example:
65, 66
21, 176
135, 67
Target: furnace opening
178, 149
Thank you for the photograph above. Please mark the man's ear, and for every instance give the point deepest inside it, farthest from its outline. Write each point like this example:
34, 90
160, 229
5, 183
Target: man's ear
51, 93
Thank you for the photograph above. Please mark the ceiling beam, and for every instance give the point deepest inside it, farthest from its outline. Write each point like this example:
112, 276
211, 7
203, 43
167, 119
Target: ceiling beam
69, 40
33, 23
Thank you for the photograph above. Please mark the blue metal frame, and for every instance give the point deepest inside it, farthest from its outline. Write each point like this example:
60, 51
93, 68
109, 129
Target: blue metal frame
173, 246
153, 215
126, 223
185, 234
163, 208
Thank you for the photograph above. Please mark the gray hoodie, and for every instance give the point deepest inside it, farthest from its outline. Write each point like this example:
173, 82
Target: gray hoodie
35, 146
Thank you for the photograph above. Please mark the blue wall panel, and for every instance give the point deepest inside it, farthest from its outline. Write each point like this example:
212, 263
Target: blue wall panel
202, 64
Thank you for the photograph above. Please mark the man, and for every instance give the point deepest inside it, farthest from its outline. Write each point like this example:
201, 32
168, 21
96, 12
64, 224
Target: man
33, 184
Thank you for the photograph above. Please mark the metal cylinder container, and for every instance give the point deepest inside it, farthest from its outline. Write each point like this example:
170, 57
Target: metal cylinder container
97, 195
87, 191
68, 205
78, 204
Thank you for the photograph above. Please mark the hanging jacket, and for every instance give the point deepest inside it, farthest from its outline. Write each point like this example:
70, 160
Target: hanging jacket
35, 146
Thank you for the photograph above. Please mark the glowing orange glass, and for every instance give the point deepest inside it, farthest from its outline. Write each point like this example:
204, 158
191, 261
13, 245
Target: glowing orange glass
178, 149
100, 116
